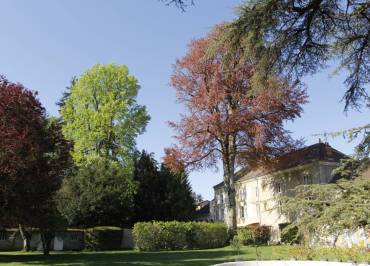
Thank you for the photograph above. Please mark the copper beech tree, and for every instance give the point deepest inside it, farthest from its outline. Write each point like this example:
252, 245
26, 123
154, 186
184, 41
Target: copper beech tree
226, 120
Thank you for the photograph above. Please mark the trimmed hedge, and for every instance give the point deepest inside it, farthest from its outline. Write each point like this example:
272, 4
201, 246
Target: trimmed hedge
154, 236
103, 238
253, 235
245, 235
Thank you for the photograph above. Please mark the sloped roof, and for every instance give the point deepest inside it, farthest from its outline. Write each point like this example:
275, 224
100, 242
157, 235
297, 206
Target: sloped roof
313, 153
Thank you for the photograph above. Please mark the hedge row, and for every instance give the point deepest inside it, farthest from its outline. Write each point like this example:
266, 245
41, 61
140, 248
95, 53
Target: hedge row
103, 238
253, 235
154, 236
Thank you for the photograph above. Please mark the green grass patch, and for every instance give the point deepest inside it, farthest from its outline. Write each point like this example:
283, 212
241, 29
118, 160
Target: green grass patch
135, 258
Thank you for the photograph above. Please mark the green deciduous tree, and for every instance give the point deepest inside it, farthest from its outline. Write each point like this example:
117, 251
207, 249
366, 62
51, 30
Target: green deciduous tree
102, 119
101, 116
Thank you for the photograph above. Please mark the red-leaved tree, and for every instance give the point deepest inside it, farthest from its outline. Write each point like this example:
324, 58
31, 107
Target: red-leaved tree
225, 120
34, 157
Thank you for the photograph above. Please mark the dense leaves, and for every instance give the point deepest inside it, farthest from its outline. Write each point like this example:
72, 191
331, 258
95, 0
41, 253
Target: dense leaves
329, 209
34, 157
226, 120
101, 116
99, 193
161, 195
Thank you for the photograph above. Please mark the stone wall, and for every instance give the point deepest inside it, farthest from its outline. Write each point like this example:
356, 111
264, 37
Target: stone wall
72, 239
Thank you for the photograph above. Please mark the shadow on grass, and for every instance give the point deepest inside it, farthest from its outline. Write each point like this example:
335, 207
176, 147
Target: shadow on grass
129, 258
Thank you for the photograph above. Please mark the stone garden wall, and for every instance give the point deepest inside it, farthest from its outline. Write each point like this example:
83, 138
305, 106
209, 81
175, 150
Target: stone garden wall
11, 240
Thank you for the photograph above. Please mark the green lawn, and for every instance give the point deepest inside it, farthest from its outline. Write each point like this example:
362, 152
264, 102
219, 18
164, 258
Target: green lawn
132, 258
180, 258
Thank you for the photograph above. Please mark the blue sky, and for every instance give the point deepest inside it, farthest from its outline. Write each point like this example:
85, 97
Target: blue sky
46, 42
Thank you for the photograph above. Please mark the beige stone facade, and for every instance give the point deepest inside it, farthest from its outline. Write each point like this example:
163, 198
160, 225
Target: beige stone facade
257, 191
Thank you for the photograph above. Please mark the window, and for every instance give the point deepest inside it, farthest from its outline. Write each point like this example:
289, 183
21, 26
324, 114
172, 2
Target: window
3, 235
241, 212
245, 211
307, 179
278, 188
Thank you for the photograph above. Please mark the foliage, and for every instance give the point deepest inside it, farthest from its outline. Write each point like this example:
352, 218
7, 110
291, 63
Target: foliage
161, 195
299, 252
296, 38
103, 238
260, 234
151, 236
245, 235
34, 157
225, 120
290, 235
99, 193
208, 235
328, 209
101, 116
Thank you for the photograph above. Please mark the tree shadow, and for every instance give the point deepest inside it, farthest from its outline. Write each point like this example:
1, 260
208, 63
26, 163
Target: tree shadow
175, 258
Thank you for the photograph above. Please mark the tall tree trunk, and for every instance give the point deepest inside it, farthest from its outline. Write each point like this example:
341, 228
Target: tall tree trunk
229, 181
26, 236
230, 217
46, 238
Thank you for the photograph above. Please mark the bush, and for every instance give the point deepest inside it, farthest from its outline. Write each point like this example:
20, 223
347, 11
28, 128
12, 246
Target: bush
103, 238
154, 236
207, 235
261, 234
245, 236
289, 234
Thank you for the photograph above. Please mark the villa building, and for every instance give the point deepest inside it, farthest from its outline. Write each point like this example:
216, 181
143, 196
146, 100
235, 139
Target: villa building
257, 190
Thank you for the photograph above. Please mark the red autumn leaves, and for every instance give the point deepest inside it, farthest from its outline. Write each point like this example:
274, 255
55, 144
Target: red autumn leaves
226, 117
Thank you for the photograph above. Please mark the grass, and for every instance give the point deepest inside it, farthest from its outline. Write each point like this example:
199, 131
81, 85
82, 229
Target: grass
174, 258
133, 258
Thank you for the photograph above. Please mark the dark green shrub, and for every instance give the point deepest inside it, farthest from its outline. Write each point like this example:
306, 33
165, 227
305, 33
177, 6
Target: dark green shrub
261, 234
153, 236
245, 236
289, 234
103, 238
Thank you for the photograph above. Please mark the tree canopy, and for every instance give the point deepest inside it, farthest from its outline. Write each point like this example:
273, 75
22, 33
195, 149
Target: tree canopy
101, 116
296, 38
34, 157
161, 195
226, 120
99, 192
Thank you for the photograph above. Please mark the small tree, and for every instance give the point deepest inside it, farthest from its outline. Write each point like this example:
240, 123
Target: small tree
225, 120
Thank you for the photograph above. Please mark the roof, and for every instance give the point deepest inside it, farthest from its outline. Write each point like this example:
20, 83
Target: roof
204, 208
313, 153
